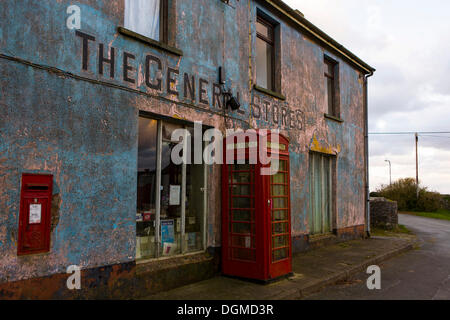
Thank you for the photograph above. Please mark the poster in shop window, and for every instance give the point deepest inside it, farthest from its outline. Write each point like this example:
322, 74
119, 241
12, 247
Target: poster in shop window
167, 231
174, 199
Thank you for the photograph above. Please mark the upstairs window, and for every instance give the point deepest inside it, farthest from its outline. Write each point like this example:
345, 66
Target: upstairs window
331, 86
147, 17
265, 54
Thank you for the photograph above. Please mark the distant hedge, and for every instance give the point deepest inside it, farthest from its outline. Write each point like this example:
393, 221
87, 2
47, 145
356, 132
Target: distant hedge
404, 192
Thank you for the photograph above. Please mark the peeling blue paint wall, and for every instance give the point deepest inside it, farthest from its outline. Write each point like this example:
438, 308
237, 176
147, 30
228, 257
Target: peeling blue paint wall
81, 126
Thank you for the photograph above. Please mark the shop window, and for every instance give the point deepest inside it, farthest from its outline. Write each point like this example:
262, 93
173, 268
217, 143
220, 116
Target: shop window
331, 72
321, 193
176, 208
148, 18
265, 54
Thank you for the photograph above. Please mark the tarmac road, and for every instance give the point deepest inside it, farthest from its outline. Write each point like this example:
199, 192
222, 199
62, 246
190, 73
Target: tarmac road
423, 273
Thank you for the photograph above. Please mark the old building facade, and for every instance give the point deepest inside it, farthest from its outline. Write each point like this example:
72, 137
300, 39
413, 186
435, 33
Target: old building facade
90, 93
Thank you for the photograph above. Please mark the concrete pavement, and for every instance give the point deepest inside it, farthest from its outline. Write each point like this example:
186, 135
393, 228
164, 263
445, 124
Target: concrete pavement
423, 273
312, 271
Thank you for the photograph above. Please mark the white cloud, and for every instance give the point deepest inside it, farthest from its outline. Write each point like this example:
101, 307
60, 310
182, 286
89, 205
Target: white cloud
408, 42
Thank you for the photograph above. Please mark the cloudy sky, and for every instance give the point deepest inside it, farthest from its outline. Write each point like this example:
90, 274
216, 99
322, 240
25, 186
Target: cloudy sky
408, 42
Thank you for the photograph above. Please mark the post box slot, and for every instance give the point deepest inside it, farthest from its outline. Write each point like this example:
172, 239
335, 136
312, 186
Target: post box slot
37, 187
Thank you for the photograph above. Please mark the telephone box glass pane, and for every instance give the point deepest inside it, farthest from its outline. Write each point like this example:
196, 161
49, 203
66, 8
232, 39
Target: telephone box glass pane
279, 190
241, 214
280, 203
278, 215
278, 242
146, 192
280, 254
278, 228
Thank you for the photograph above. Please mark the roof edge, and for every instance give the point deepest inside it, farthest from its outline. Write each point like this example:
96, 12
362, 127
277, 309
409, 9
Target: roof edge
319, 35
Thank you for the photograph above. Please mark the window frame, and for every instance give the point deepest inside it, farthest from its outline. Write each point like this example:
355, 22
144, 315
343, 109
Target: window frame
163, 23
330, 190
159, 140
272, 43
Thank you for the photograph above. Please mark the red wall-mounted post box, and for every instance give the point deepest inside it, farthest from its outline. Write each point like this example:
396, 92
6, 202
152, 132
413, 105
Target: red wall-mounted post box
35, 216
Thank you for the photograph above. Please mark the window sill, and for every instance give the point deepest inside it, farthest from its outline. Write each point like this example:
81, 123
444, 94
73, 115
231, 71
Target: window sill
329, 116
321, 237
150, 42
269, 92
162, 263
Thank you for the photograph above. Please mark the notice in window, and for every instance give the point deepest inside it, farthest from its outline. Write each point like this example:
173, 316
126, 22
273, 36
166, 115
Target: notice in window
35, 213
248, 242
167, 231
174, 199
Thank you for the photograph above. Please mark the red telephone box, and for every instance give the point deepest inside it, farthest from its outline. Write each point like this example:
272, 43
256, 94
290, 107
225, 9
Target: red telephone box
256, 221
34, 218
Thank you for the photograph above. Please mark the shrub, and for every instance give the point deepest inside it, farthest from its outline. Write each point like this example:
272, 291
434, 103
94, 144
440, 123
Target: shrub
429, 201
405, 193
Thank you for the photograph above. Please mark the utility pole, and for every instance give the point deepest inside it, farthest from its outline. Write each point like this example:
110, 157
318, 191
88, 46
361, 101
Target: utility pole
417, 165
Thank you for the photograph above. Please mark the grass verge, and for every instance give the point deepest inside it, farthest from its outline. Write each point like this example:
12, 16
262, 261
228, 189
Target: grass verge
400, 230
442, 214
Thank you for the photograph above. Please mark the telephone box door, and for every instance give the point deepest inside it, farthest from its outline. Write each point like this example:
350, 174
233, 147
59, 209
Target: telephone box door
279, 220
242, 247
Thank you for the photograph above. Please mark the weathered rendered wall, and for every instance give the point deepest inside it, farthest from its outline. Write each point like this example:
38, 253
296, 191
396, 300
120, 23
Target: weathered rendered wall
81, 126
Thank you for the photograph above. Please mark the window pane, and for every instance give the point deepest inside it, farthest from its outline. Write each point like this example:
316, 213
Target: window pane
171, 191
142, 16
264, 66
146, 190
263, 30
195, 184
329, 68
329, 96
194, 206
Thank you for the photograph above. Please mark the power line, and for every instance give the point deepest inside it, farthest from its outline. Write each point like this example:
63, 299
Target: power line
430, 136
399, 133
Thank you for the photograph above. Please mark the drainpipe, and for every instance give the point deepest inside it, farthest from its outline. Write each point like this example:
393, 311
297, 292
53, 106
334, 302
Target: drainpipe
366, 151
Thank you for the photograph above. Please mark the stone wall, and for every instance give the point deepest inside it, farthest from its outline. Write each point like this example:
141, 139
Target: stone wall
383, 213
445, 202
